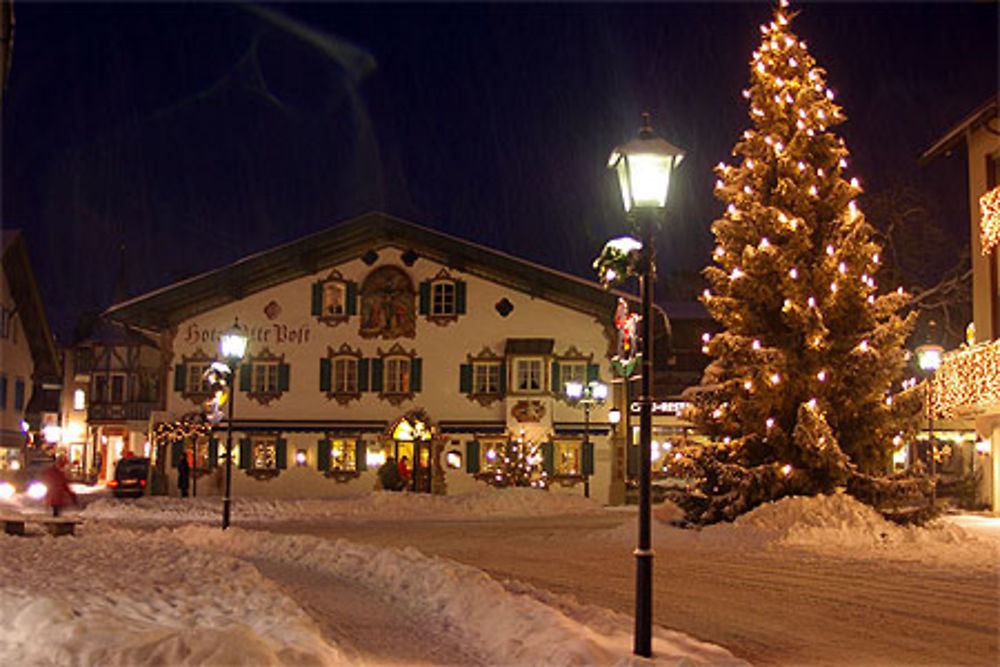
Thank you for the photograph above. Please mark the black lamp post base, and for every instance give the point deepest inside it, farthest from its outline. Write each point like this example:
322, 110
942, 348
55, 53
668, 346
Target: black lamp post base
643, 644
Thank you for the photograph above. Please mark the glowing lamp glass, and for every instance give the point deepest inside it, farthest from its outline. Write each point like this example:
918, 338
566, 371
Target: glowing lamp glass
643, 166
233, 343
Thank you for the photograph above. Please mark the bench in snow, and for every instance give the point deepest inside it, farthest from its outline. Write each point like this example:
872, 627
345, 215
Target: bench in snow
56, 525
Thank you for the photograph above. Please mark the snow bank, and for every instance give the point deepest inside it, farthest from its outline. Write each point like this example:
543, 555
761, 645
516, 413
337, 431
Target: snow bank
114, 597
502, 625
494, 503
836, 525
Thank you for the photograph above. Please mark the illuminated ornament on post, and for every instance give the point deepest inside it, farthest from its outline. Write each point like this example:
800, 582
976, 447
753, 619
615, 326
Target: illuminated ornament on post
618, 260
989, 207
627, 325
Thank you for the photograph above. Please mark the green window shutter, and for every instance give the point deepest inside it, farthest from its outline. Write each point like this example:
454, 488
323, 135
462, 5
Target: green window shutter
317, 298
244, 453
425, 297
360, 455
472, 456
352, 298
549, 458
503, 377
460, 297
556, 385
363, 383
324, 374
180, 377
377, 374
281, 453
176, 451
465, 378
593, 372
416, 368
246, 372
284, 370
323, 454
587, 458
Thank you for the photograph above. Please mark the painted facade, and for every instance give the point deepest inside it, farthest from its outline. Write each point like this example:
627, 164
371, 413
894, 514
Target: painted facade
410, 343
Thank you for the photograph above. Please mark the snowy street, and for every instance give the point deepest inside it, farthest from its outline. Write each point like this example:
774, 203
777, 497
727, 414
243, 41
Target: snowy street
504, 577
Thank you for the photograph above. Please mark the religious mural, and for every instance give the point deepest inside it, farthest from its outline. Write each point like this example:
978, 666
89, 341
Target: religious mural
388, 304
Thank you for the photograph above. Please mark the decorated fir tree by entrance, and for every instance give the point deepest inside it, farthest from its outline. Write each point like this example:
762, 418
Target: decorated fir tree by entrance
804, 387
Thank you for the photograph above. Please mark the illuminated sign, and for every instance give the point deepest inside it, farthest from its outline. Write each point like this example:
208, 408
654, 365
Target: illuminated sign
674, 408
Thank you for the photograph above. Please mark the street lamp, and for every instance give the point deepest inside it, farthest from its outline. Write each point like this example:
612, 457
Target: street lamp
232, 347
587, 395
929, 359
644, 165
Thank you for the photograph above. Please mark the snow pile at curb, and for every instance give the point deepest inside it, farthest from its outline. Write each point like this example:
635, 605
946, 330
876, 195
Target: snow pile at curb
841, 525
513, 624
115, 597
513, 502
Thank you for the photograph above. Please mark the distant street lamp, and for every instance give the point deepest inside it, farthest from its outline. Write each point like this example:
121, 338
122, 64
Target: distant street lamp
587, 395
232, 347
644, 165
929, 359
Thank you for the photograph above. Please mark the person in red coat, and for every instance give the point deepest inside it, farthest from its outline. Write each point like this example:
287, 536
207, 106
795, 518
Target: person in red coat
58, 493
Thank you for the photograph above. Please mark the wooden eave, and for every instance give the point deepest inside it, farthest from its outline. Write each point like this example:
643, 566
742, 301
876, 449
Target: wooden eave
21, 279
954, 137
166, 307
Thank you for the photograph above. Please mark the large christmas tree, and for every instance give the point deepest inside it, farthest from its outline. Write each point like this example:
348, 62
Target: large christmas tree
805, 387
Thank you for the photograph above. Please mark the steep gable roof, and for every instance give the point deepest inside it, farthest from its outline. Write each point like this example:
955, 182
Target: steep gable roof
954, 137
21, 280
165, 307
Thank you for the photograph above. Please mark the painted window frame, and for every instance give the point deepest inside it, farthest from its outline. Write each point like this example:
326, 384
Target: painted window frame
334, 299
250, 370
407, 382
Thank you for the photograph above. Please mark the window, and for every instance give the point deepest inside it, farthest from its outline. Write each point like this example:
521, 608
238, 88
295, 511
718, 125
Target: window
345, 375
265, 377
19, 394
486, 377
196, 383
117, 388
567, 457
334, 298
100, 392
571, 371
492, 453
442, 298
528, 375
397, 375
79, 400
343, 455
262, 453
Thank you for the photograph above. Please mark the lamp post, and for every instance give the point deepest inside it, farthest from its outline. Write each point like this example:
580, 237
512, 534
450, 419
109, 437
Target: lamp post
929, 359
233, 347
643, 166
587, 395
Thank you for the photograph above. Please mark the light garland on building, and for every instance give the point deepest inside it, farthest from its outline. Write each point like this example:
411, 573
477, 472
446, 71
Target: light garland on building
968, 378
989, 207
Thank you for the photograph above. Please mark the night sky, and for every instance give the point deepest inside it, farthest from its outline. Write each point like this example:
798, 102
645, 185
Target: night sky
199, 133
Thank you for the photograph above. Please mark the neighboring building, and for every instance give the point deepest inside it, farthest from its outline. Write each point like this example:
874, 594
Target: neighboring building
29, 364
968, 382
112, 388
379, 338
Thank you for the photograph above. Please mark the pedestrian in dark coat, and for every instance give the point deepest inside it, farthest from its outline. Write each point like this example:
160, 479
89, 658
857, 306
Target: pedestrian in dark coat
183, 474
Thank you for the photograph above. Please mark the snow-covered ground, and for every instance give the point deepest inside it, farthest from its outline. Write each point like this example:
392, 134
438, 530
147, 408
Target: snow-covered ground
154, 581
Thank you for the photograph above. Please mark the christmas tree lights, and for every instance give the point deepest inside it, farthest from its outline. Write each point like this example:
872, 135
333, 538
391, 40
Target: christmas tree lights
989, 207
794, 398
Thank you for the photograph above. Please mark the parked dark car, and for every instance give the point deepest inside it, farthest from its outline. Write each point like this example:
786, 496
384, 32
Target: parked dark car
131, 478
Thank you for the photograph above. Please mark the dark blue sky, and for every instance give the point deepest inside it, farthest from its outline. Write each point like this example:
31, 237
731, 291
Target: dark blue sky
199, 133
